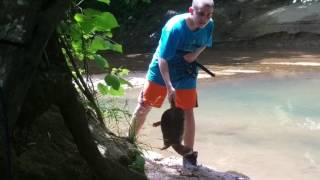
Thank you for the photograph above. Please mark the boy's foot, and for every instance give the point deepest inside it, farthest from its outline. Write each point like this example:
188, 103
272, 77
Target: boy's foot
190, 161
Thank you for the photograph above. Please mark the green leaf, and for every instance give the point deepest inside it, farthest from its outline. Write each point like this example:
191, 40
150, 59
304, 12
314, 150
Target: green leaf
105, 21
75, 32
91, 56
85, 21
123, 81
79, 17
77, 46
87, 26
105, 1
138, 164
101, 61
80, 56
119, 92
123, 72
112, 81
117, 48
103, 89
99, 43
109, 34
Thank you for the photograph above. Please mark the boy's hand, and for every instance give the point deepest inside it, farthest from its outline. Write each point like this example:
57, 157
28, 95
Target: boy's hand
171, 94
192, 56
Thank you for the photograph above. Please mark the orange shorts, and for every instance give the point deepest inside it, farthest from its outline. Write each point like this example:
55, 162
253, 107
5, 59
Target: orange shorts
154, 94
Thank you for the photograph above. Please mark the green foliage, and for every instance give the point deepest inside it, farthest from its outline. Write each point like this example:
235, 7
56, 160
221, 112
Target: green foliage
91, 21
114, 82
116, 113
101, 61
84, 35
88, 32
91, 32
138, 164
105, 1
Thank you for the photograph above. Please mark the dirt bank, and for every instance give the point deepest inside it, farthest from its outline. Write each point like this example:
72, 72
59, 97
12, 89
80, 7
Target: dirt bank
262, 60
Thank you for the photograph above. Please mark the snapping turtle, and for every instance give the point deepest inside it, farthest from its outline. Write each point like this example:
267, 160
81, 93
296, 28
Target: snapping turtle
172, 127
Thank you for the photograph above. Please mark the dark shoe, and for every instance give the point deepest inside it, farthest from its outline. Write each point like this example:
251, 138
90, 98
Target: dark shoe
190, 161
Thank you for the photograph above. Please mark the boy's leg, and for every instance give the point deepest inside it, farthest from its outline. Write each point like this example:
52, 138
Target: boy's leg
189, 159
152, 95
138, 118
189, 133
187, 100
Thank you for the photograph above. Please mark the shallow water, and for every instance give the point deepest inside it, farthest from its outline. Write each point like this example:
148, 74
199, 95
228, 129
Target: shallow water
265, 126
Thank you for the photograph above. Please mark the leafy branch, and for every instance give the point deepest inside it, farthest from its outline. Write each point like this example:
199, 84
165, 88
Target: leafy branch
86, 35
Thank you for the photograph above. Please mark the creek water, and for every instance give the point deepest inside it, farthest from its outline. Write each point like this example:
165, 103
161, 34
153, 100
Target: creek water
266, 126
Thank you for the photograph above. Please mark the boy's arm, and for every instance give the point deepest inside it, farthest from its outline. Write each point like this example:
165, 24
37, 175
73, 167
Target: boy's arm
164, 69
190, 57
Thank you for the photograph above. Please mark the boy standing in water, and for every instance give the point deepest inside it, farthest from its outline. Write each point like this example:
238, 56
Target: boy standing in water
173, 71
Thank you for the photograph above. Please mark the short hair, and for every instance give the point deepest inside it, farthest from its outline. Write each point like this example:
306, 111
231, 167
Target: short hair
201, 3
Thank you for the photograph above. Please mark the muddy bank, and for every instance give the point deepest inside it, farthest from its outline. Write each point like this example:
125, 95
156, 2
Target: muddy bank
262, 60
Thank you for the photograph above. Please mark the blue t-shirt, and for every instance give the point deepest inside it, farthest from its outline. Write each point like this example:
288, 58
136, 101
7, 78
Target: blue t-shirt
177, 40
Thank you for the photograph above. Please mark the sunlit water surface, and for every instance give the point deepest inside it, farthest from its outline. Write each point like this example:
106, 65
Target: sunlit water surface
265, 126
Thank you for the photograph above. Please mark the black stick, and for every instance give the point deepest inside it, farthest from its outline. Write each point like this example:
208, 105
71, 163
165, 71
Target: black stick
205, 69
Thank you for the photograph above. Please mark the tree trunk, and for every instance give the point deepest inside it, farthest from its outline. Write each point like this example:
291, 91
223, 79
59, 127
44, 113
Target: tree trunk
25, 29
